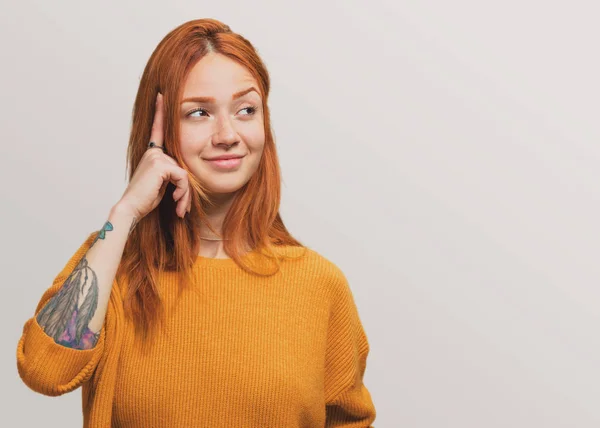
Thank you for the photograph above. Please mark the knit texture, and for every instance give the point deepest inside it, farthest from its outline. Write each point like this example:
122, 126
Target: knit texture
238, 351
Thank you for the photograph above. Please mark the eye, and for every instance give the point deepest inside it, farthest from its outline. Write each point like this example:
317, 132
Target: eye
194, 111
252, 110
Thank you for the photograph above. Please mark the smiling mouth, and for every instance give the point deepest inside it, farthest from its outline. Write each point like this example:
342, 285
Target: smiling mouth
226, 163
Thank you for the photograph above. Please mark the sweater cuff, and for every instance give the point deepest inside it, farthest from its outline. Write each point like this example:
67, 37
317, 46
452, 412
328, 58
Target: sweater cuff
50, 368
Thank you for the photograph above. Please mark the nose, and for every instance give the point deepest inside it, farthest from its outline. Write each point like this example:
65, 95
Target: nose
225, 132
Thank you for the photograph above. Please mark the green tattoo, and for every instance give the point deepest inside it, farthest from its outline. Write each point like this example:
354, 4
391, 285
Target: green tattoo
107, 227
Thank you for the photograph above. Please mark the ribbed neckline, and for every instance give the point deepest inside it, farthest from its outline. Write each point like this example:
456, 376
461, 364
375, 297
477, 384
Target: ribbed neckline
223, 263
251, 258
211, 261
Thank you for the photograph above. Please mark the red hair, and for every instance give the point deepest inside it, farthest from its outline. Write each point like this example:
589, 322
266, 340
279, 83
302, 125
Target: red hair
162, 240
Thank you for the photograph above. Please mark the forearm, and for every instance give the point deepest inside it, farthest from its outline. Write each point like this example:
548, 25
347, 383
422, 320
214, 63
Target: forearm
74, 316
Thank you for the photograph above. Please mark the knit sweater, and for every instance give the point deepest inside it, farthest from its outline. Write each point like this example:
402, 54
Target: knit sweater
239, 350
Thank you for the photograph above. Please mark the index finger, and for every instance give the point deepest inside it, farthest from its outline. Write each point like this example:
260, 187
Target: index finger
157, 134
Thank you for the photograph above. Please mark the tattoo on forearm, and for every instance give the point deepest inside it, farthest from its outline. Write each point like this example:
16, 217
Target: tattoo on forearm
64, 318
106, 228
67, 314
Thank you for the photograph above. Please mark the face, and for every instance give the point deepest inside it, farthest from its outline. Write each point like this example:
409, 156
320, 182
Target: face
221, 114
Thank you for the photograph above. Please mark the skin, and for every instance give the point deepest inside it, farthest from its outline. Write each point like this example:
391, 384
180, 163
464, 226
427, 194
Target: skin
67, 315
222, 126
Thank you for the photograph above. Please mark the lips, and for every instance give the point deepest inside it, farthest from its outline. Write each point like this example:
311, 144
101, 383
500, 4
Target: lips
229, 163
225, 157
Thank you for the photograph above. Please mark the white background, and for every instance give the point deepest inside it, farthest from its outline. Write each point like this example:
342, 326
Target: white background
443, 154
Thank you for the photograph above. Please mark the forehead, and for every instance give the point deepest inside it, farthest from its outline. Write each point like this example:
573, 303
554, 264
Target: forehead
217, 76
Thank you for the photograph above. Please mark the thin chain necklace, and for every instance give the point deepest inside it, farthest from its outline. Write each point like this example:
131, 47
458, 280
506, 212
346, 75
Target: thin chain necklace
214, 239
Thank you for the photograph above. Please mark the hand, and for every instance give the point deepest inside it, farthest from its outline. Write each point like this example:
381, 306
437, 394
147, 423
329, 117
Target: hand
154, 172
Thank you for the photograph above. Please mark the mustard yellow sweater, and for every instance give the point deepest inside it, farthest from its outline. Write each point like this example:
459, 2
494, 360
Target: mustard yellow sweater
241, 351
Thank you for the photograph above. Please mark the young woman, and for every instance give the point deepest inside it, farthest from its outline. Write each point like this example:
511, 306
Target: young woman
193, 306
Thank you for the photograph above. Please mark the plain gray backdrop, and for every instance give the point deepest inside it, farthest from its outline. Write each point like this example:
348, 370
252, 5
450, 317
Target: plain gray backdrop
443, 154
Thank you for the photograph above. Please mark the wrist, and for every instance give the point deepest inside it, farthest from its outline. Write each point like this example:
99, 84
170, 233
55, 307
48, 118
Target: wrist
123, 216
121, 208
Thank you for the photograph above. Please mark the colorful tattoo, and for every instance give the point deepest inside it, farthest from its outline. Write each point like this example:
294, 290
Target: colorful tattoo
107, 227
66, 316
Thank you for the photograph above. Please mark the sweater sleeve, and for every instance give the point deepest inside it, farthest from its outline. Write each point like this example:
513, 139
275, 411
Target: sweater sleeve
46, 366
348, 401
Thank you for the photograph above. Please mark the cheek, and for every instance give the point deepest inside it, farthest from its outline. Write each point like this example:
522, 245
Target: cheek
258, 147
191, 143
256, 140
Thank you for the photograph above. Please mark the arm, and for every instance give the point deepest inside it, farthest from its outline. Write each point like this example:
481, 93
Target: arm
348, 401
61, 345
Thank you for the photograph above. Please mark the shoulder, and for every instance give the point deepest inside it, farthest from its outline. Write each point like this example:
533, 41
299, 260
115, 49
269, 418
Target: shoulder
320, 269
329, 268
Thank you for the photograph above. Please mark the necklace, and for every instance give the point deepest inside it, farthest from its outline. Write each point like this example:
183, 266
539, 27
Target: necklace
213, 239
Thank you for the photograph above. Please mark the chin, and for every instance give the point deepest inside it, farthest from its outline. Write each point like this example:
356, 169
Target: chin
223, 188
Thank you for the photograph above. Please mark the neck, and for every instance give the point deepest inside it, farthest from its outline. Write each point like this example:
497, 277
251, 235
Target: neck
215, 214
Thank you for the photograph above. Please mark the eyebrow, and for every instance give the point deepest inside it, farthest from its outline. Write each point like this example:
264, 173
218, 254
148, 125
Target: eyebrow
212, 100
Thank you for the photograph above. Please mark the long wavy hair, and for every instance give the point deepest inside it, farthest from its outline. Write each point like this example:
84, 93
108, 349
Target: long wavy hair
162, 241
